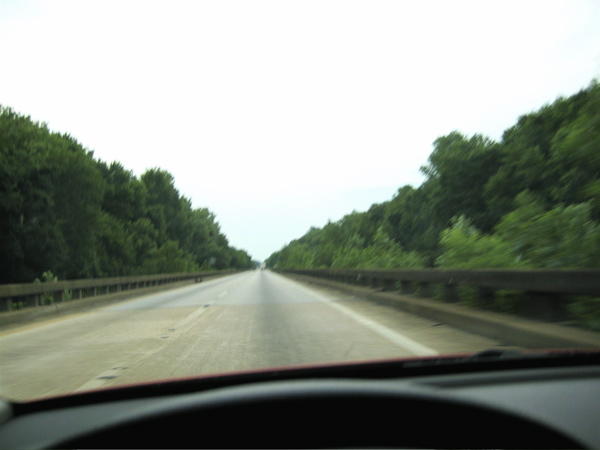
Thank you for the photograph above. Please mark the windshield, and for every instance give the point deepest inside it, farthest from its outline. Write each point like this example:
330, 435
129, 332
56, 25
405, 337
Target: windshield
193, 188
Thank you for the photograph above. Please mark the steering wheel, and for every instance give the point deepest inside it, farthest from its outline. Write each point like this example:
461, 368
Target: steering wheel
316, 413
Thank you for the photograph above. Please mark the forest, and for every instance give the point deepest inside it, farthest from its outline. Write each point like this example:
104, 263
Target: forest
529, 201
67, 214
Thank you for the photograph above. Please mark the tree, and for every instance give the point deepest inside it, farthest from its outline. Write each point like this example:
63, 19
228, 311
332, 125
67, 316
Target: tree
574, 149
163, 205
526, 154
560, 238
169, 258
124, 195
461, 168
465, 247
411, 222
51, 192
77, 189
62, 210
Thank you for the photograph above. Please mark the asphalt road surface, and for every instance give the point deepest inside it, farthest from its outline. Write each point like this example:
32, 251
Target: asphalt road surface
251, 320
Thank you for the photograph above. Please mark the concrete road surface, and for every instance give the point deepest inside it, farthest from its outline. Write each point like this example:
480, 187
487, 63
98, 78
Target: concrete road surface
251, 320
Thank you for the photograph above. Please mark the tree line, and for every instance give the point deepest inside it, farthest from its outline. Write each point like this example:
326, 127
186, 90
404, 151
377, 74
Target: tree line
531, 200
62, 210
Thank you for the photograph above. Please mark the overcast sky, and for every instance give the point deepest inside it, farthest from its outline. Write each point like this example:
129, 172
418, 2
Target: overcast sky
281, 115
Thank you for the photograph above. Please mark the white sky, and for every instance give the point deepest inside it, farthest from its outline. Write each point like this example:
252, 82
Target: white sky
280, 115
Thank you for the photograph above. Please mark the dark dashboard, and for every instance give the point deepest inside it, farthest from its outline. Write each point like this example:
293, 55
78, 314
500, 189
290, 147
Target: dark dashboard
488, 402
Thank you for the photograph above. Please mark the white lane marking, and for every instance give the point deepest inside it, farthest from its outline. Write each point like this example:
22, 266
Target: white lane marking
223, 294
393, 336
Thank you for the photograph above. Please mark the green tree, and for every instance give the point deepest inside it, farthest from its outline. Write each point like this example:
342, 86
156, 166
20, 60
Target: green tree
169, 258
574, 150
77, 191
560, 238
461, 168
143, 238
125, 195
411, 222
526, 154
465, 247
383, 253
62, 210
50, 200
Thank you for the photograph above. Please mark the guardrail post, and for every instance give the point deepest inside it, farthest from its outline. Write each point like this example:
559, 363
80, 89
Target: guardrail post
485, 296
374, 282
359, 279
6, 304
451, 292
406, 287
33, 300
389, 285
545, 306
424, 289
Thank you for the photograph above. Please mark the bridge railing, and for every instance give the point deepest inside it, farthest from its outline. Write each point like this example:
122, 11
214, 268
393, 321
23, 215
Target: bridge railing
27, 295
546, 293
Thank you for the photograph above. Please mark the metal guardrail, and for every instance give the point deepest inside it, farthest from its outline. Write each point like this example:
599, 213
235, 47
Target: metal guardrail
546, 291
27, 295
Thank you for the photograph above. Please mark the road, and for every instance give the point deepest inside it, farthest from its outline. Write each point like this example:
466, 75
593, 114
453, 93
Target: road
251, 320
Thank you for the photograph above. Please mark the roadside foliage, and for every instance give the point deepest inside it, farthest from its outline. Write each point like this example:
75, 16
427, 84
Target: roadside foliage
65, 212
529, 201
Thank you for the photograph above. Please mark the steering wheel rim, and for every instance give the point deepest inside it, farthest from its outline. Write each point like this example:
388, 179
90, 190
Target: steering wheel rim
331, 414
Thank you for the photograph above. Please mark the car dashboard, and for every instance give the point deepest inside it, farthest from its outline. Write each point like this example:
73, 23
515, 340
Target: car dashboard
501, 403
